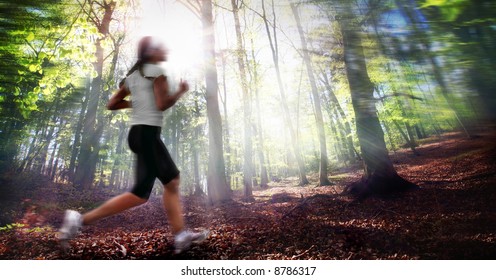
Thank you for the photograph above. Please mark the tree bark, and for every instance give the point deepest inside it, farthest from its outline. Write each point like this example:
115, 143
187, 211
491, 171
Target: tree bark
198, 190
248, 146
287, 118
118, 153
253, 71
226, 130
88, 153
218, 189
323, 165
380, 176
346, 130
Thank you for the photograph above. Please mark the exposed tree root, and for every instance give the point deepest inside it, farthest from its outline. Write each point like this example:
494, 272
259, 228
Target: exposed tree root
379, 185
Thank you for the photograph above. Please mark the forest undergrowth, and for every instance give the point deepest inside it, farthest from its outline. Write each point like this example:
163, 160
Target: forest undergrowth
452, 216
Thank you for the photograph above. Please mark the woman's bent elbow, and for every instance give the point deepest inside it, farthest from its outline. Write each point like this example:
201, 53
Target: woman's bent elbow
164, 106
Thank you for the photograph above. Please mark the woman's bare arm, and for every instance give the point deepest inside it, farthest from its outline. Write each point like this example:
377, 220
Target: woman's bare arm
117, 101
161, 91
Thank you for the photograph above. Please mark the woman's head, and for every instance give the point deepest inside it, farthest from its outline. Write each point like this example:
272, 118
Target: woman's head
151, 50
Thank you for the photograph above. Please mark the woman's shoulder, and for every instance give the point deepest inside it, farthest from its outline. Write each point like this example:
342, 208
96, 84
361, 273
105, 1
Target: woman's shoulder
153, 70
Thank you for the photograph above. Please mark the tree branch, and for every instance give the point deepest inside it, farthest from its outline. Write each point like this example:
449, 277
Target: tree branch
194, 8
396, 94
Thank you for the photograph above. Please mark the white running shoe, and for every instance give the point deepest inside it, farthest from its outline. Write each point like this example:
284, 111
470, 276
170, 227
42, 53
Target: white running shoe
73, 221
184, 239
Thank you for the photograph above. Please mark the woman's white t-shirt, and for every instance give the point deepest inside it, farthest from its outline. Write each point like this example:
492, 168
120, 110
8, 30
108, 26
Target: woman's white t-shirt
145, 109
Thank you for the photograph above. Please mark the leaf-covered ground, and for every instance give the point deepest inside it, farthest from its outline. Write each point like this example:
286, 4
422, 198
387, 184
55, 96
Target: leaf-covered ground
452, 216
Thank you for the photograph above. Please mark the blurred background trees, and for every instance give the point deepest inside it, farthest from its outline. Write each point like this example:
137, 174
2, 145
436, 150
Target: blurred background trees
277, 94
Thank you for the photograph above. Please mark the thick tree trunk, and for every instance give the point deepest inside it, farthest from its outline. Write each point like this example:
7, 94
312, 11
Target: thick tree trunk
88, 153
218, 189
380, 176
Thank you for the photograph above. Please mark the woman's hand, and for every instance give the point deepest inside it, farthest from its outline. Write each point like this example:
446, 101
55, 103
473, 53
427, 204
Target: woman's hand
183, 87
117, 101
161, 91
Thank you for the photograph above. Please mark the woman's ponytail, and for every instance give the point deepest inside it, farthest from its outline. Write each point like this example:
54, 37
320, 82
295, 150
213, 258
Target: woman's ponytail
143, 46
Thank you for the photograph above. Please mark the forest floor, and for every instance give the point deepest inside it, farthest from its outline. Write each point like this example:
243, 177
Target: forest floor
452, 216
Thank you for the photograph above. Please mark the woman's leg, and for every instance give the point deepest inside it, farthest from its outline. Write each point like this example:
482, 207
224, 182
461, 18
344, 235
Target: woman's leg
172, 205
113, 206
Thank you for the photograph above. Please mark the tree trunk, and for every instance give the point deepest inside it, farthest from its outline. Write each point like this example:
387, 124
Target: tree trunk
88, 154
345, 152
248, 146
347, 127
77, 134
323, 165
380, 176
275, 57
118, 153
196, 154
48, 138
226, 122
264, 178
11, 128
51, 164
30, 154
408, 137
218, 189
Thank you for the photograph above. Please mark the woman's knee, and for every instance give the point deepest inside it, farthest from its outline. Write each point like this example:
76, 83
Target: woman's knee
143, 200
139, 199
173, 185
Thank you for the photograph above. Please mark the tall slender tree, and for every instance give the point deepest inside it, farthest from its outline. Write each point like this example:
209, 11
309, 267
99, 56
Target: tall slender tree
273, 42
247, 124
319, 119
264, 178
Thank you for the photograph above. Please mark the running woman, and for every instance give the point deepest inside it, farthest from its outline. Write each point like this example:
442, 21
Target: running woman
147, 86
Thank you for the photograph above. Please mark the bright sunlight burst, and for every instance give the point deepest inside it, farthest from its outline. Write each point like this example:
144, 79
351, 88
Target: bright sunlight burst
175, 26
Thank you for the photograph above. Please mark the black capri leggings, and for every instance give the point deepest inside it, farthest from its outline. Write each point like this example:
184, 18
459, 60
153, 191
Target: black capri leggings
153, 159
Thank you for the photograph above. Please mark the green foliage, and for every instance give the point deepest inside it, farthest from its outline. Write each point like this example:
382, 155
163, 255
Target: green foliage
12, 226
450, 9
